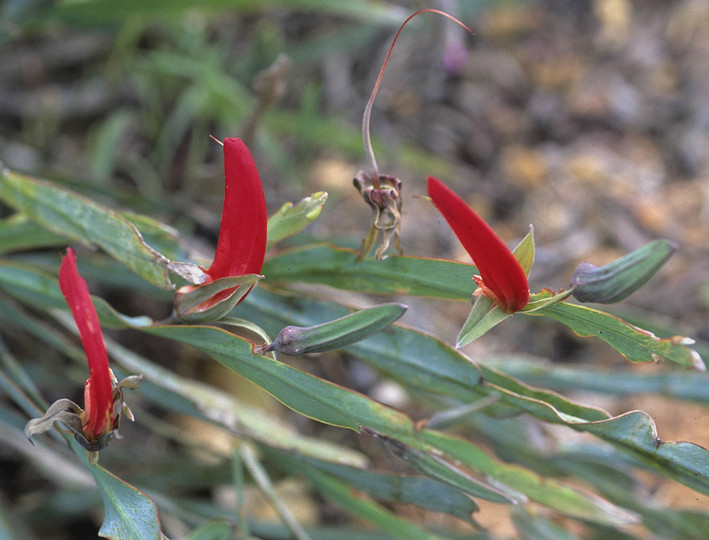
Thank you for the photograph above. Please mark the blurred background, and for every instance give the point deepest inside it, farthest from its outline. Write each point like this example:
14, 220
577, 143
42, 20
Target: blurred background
589, 120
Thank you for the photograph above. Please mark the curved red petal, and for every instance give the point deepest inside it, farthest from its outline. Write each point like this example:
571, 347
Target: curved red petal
99, 405
242, 235
498, 267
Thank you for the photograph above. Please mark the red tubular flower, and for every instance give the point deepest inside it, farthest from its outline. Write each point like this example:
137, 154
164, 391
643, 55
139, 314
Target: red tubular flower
242, 235
502, 278
97, 418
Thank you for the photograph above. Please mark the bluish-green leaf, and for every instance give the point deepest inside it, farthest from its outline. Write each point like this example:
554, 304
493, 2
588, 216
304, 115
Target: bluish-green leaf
129, 513
483, 316
41, 289
65, 213
325, 264
545, 491
340, 493
387, 487
420, 361
18, 232
215, 530
635, 344
291, 219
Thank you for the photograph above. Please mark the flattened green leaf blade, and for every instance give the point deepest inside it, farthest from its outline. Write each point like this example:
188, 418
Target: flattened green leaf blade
687, 385
291, 219
635, 344
545, 491
384, 486
424, 362
215, 530
525, 252
41, 289
416, 359
483, 316
19, 232
304, 393
129, 513
341, 494
68, 214
337, 267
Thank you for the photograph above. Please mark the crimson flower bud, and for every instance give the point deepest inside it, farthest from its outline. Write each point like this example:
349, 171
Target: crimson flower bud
97, 418
501, 278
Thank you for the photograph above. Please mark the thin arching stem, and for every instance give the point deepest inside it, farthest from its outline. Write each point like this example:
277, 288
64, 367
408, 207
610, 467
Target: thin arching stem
366, 139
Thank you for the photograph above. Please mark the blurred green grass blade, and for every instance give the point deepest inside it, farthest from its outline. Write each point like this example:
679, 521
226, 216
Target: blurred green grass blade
66, 213
216, 530
434, 464
325, 264
18, 232
536, 527
41, 289
12, 526
106, 144
391, 488
546, 491
612, 476
635, 344
93, 12
128, 512
341, 494
687, 385
291, 219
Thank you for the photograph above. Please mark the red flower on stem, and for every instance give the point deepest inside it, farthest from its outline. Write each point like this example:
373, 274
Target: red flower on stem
241, 247
97, 418
502, 278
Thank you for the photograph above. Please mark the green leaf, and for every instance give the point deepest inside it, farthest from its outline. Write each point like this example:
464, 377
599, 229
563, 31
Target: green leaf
422, 362
18, 232
335, 334
391, 488
41, 289
418, 360
635, 344
483, 316
535, 527
207, 402
291, 219
545, 491
216, 530
341, 494
687, 385
322, 400
300, 391
325, 264
94, 12
68, 214
524, 252
129, 513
